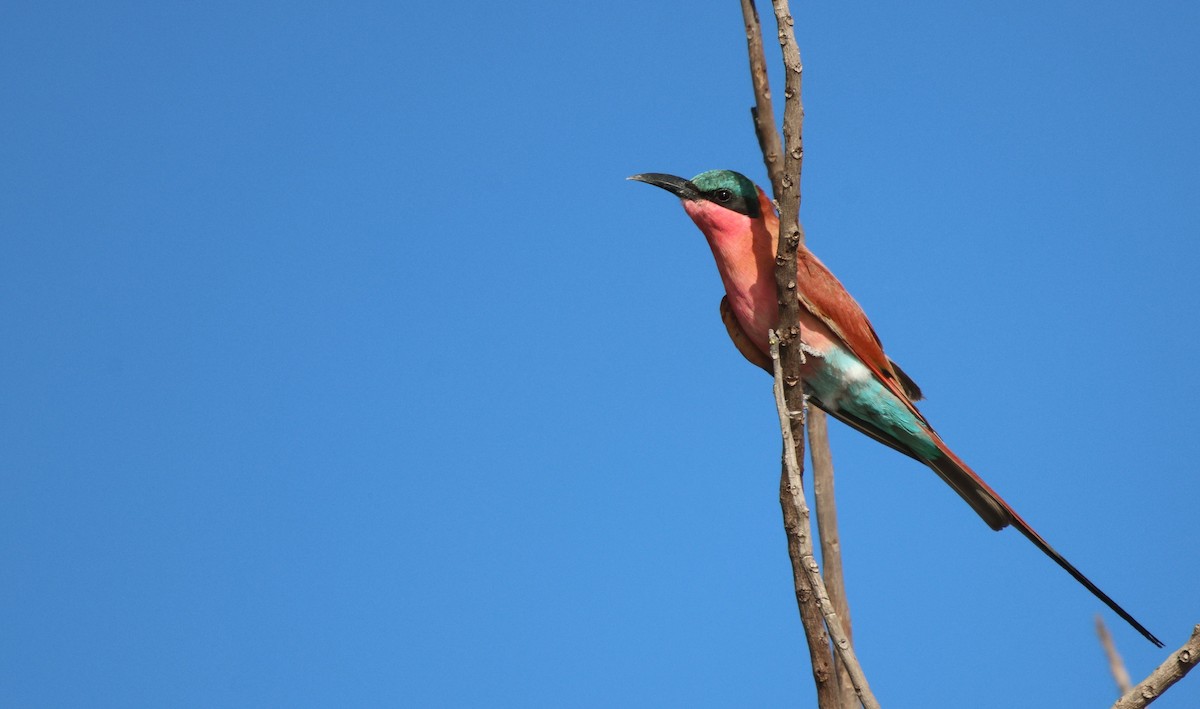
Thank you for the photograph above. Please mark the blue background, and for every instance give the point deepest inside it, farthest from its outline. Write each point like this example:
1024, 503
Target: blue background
341, 366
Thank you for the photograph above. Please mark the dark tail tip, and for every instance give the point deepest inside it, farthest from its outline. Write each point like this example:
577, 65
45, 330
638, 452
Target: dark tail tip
1049, 551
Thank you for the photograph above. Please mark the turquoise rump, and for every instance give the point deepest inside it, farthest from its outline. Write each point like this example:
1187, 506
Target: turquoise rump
843, 385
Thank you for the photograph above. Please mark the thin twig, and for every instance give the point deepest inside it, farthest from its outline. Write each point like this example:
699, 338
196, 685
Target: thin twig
1115, 664
827, 530
795, 525
762, 111
1168, 673
799, 533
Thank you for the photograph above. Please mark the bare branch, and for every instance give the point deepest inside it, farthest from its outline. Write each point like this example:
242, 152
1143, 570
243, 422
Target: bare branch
791, 398
1115, 664
762, 112
798, 529
827, 529
1168, 673
819, 653
791, 234
785, 346
798, 526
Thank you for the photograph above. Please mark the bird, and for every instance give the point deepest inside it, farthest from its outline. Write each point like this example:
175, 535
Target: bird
845, 370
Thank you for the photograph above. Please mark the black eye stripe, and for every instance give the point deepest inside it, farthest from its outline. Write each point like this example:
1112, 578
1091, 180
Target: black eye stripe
729, 199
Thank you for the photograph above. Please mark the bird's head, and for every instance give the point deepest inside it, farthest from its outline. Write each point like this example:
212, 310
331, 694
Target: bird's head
724, 189
725, 204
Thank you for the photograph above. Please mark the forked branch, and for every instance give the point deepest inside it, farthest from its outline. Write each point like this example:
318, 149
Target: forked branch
1168, 673
785, 181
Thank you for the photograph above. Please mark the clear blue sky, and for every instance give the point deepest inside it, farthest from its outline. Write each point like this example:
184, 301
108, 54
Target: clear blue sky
342, 367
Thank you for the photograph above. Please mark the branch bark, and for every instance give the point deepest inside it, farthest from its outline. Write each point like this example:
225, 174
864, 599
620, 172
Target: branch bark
798, 526
831, 548
763, 114
786, 350
1168, 673
787, 356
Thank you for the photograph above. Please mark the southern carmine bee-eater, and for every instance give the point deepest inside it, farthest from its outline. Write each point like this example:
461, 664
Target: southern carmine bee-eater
846, 372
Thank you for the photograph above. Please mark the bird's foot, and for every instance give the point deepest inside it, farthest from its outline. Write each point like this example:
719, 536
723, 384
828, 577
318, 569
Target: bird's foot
807, 349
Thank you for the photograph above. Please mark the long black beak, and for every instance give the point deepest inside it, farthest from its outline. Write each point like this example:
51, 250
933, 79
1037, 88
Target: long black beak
681, 188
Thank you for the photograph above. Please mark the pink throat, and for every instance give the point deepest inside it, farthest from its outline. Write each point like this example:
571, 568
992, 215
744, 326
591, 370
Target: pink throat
745, 255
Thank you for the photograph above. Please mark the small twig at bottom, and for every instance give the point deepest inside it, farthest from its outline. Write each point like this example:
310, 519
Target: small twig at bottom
1115, 664
802, 533
1168, 673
